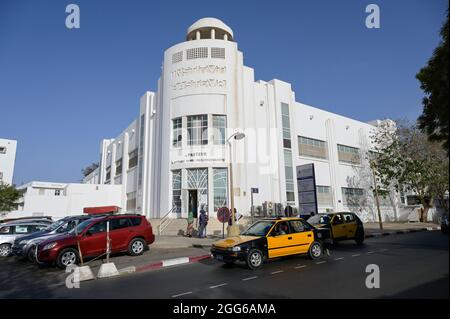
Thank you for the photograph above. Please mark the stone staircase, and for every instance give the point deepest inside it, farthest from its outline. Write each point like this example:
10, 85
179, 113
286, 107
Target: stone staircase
177, 226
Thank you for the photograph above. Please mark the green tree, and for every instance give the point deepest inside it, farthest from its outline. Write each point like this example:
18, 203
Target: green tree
434, 82
89, 169
408, 160
8, 197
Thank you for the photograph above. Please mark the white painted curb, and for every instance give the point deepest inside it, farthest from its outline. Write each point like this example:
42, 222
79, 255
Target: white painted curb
127, 270
107, 270
175, 261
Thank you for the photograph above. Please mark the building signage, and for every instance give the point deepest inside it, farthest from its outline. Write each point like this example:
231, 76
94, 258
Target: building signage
210, 83
200, 156
207, 69
307, 193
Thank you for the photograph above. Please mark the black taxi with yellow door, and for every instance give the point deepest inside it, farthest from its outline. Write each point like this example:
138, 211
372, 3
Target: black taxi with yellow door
272, 238
343, 225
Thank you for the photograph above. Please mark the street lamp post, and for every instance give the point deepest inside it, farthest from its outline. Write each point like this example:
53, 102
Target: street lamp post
233, 229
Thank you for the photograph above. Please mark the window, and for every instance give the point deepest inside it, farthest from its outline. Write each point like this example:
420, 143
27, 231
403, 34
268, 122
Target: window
348, 154
2, 149
312, 147
324, 197
286, 125
289, 175
219, 124
135, 221
108, 174
5, 230
176, 190
132, 158
119, 223
177, 57
97, 228
141, 148
196, 53
353, 196
218, 53
297, 226
22, 229
197, 127
131, 201
57, 192
220, 187
348, 218
176, 132
119, 167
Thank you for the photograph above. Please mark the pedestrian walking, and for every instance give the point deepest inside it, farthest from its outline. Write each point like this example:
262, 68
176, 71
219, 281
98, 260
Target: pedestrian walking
203, 222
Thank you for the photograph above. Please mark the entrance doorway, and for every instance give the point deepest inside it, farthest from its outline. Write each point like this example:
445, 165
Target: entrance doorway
193, 201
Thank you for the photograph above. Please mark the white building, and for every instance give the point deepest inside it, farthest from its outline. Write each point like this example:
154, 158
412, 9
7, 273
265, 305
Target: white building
60, 199
7, 160
175, 152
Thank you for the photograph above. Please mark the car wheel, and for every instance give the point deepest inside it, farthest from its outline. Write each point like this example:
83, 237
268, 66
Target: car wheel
254, 259
136, 247
359, 238
315, 250
5, 250
67, 257
31, 254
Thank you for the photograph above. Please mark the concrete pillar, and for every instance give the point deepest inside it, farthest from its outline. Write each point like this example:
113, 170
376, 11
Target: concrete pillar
125, 158
225, 37
113, 163
213, 34
197, 35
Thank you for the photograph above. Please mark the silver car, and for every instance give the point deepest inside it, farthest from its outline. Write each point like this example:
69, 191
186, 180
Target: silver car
10, 231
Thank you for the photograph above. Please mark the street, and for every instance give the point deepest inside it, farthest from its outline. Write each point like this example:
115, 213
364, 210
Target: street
411, 266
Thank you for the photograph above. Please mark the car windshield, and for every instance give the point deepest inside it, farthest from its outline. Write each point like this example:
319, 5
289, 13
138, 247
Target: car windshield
260, 228
319, 219
55, 225
81, 226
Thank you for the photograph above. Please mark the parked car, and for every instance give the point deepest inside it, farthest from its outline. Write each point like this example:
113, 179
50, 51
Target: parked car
272, 238
131, 233
343, 225
26, 246
29, 220
11, 231
444, 224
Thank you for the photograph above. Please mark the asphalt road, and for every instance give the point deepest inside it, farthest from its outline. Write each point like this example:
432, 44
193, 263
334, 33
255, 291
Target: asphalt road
413, 265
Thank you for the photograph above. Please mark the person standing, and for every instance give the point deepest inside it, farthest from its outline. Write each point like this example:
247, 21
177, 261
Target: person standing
203, 221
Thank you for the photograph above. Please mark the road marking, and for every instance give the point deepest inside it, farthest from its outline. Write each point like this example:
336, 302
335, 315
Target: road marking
220, 285
300, 266
370, 252
320, 262
184, 293
384, 249
340, 258
249, 278
356, 255
276, 272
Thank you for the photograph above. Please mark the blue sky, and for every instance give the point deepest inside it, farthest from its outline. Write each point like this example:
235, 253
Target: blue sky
62, 91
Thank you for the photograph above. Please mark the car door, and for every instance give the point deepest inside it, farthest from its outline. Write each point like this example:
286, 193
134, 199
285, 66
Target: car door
350, 225
93, 243
120, 231
302, 236
279, 241
338, 227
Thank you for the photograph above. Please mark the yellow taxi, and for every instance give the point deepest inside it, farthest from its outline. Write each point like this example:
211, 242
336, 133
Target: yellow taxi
343, 225
272, 238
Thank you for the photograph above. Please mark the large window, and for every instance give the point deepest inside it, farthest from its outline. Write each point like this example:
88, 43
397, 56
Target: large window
286, 125
119, 167
176, 132
219, 124
312, 147
197, 127
132, 158
176, 190
324, 197
353, 196
220, 187
131, 201
348, 154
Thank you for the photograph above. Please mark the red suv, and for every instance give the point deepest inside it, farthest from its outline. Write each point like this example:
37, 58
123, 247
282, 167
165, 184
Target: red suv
131, 233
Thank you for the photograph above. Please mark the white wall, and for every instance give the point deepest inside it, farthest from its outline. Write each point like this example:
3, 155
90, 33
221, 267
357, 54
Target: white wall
7, 160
